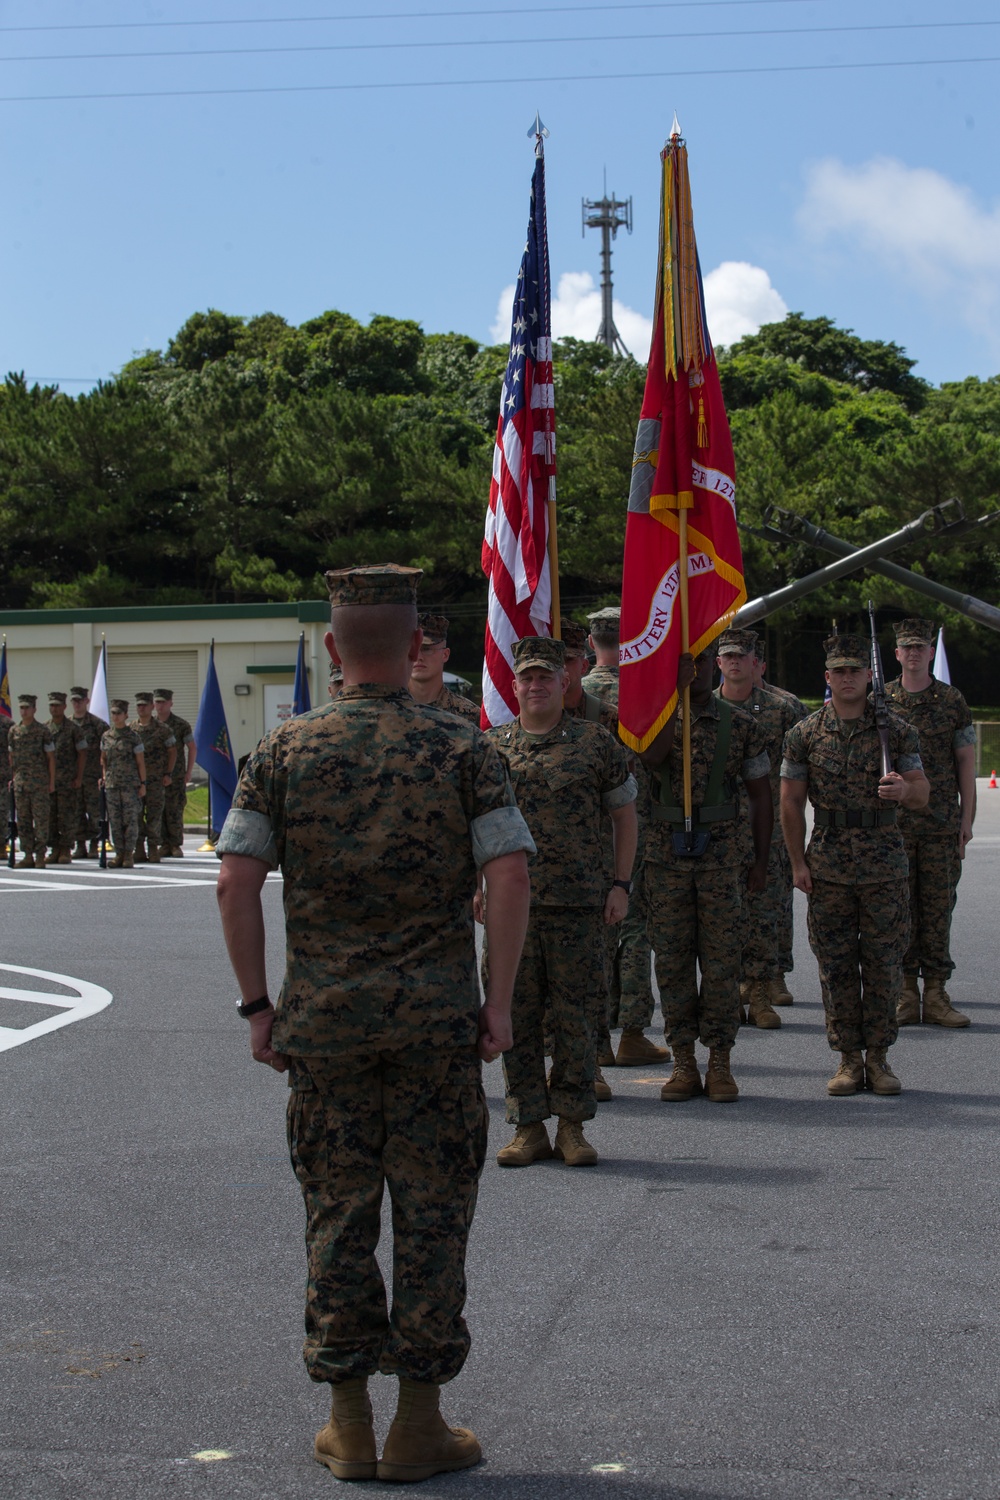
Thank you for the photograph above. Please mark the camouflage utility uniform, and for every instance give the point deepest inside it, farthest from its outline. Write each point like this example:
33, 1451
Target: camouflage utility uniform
69, 737
121, 785
457, 703
379, 811
175, 795
6, 725
602, 682
563, 781
763, 912
29, 746
157, 742
88, 796
941, 717
696, 904
859, 907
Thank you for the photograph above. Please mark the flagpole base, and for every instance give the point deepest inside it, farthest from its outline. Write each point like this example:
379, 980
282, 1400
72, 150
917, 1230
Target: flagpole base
208, 847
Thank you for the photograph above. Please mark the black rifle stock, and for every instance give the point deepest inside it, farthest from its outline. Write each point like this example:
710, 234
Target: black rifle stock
878, 695
102, 858
11, 823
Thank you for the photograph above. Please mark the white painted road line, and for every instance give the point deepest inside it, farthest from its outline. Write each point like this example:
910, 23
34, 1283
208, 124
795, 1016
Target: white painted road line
88, 1000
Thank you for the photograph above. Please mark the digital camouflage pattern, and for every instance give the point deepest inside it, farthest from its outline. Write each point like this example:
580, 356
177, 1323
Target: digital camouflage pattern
88, 796
120, 748
5, 728
695, 905
379, 811
457, 703
558, 993
602, 682
417, 1119
842, 762
175, 795
564, 781
801, 711
859, 934
69, 737
157, 740
943, 721
764, 911
27, 747
859, 907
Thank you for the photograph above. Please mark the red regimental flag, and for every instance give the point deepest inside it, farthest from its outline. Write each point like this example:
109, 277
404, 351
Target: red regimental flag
683, 460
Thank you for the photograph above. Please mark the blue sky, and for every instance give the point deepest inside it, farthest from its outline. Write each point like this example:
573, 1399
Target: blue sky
843, 160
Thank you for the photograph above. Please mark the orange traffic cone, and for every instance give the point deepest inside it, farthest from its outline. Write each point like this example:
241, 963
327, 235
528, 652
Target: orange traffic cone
993, 780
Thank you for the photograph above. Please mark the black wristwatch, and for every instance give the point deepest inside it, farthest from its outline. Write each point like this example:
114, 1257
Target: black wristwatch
626, 885
248, 1008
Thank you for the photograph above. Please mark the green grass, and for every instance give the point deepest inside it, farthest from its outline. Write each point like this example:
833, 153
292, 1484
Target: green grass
196, 810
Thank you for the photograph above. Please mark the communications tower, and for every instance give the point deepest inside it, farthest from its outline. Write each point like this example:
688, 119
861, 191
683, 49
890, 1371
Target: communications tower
608, 215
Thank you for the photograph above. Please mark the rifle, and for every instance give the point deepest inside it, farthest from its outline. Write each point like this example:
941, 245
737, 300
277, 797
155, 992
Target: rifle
878, 695
11, 823
102, 858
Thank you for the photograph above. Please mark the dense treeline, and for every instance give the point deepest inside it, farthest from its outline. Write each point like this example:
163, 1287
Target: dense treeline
251, 455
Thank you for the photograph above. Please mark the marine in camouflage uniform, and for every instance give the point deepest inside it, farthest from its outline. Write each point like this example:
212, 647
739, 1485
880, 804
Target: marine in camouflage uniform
379, 812
72, 743
160, 749
6, 724
786, 914
125, 774
175, 795
763, 984
566, 773
854, 870
696, 903
88, 797
935, 836
427, 679
32, 756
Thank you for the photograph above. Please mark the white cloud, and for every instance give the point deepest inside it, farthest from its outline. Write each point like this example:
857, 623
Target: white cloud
738, 299
918, 224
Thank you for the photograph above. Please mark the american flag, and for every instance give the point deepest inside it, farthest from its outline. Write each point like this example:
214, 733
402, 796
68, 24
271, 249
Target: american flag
524, 464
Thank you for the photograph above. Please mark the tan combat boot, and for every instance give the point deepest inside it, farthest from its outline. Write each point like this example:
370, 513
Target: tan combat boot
420, 1442
849, 1077
94, 849
635, 1050
908, 1004
128, 861
720, 1085
778, 992
881, 1078
685, 1080
140, 857
63, 856
602, 1089
938, 1009
530, 1143
80, 852
760, 1011
347, 1443
117, 862
154, 853
41, 861
572, 1146
26, 862
605, 1052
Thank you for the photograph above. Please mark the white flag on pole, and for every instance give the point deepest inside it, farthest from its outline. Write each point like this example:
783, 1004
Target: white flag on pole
941, 671
99, 692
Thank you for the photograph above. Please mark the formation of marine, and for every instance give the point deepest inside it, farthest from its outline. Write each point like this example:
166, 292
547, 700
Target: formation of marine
60, 769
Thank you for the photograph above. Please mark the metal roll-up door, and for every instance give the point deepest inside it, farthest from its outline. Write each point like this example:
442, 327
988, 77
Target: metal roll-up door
131, 672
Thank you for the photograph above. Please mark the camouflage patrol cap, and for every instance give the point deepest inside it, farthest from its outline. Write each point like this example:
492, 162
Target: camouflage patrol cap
847, 651
605, 625
163, 695
143, 697
27, 698
55, 697
119, 705
914, 632
336, 673
574, 639
539, 651
77, 694
735, 642
435, 628
387, 584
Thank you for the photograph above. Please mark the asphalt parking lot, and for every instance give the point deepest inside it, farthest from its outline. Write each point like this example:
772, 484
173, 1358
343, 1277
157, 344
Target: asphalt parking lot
791, 1296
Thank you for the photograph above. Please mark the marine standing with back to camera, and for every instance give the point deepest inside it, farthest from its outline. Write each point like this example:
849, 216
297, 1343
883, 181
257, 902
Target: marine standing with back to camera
854, 871
935, 836
379, 812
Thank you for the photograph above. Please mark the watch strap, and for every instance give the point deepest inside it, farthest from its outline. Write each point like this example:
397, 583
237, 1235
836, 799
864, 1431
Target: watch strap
250, 1008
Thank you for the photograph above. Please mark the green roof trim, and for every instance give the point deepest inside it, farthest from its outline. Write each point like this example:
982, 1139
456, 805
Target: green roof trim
285, 670
306, 612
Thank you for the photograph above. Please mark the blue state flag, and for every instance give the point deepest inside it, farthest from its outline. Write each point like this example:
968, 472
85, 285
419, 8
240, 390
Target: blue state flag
215, 748
300, 693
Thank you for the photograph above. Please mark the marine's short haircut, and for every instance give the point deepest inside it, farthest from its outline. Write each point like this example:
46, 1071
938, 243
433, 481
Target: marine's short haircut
372, 632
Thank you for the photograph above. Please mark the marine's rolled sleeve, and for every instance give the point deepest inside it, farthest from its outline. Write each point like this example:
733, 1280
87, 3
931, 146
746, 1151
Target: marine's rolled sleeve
249, 833
964, 736
620, 796
795, 755
756, 766
502, 831
906, 763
